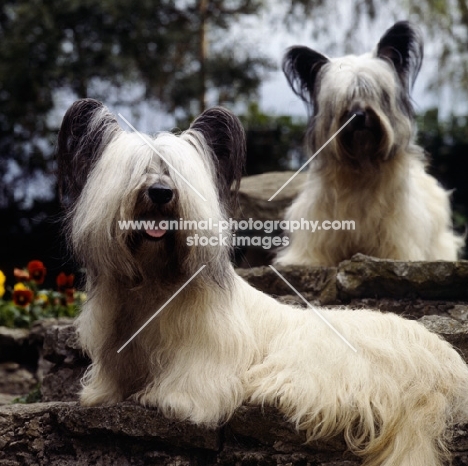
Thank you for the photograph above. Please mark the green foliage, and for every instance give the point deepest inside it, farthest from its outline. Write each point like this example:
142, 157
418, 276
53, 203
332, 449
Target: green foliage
47, 304
89, 47
34, 396
27, 302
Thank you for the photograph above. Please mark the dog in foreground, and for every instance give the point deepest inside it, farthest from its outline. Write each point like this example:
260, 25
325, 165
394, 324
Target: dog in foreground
372, 172
219, 342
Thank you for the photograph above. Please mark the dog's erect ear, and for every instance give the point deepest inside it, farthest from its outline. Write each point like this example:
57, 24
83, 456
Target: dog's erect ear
301, 66
87, 128
225, 135
402, 45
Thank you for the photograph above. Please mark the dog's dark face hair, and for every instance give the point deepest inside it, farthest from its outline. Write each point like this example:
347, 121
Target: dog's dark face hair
88, 127
374, 89
107, 176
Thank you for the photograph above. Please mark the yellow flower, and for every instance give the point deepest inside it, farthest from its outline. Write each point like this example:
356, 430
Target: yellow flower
20, 287
42, 298
2, 283
80, 297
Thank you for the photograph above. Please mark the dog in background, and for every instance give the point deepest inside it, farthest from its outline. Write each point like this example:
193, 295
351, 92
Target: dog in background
219, 342
372, 172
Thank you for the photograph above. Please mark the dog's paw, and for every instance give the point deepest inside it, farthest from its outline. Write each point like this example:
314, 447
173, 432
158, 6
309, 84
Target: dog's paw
174, 405
97, 397
181, 406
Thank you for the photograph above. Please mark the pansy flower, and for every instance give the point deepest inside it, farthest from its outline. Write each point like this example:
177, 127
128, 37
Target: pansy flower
37, 272
64, 281
22, 295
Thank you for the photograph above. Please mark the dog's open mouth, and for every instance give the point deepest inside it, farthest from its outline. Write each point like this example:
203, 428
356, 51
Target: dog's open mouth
155, 227
157, 231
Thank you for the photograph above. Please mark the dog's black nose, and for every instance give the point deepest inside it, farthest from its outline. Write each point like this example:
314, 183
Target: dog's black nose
160, 194
359, 120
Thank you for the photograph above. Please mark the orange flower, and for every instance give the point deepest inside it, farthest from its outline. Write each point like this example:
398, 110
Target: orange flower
64, 281
37, 271
22, 295
21, 274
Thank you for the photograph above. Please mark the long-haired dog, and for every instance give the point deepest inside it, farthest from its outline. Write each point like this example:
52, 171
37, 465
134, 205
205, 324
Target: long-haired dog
218, 342
372, 172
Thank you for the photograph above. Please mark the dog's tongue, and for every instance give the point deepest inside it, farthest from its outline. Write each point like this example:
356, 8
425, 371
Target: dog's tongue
156, 232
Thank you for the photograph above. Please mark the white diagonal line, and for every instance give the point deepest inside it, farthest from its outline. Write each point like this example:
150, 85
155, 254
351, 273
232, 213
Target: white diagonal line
162, 307
315, 310
310, 160
157, 152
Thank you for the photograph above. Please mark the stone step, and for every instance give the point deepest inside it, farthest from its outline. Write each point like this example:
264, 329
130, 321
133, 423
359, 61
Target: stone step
66, 434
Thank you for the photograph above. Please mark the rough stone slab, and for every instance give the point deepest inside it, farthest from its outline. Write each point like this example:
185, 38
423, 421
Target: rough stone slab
13, 336
266, 425
37, 337
62, 383
459, 312
16, 379
318, 283
67, 363
455, 332
66, 434
269, 427
414, 308
6, 398
135, 421
367, 277
257, 457
61, 345
255, 191
40, 328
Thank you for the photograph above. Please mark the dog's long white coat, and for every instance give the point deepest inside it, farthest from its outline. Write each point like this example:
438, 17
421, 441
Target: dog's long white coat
399, 210
212, 352
404, 215
220, 342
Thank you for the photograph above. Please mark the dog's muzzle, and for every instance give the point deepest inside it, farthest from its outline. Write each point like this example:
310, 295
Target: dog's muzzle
364, 119
160, 194
359, 120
